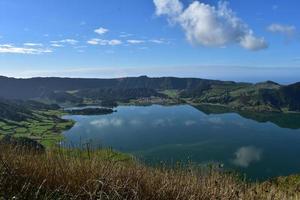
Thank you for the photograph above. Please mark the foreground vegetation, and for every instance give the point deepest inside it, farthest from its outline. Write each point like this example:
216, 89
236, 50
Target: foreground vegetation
104, 174
46, 131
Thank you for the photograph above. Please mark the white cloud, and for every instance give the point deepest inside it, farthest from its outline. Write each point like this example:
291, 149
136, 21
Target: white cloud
94, 41
8, 48
157, 41
100, 123
101, 30
97, 41
247, 155
168, 7
65, 41
124, 35
56, 45
135, 41
253, 43
33, 44
282, 29
208, 25
114, 42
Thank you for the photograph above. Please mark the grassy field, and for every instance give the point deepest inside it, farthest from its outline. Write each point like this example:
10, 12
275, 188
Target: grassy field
104, 174
171, 93
46, 127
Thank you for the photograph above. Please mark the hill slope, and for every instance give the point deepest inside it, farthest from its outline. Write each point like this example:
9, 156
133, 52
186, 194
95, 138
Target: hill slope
40, 87
32, 120
265, 96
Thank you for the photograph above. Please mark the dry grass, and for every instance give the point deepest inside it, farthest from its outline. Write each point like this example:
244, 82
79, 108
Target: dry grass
61, 174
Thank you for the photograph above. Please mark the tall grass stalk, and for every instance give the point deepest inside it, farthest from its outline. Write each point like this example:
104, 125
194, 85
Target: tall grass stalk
103, 174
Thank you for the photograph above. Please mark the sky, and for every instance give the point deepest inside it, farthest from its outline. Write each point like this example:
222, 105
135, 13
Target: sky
229, 40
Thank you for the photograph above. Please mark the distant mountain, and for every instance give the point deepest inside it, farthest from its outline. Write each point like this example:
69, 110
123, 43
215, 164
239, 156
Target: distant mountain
41, 87
291, 96
264, 96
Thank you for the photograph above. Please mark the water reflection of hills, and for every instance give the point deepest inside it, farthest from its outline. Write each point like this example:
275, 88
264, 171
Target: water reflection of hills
283, 120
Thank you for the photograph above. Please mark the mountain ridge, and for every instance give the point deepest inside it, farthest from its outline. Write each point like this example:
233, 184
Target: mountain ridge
263, 96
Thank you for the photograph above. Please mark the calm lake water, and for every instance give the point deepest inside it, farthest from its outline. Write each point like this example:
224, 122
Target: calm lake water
249, 144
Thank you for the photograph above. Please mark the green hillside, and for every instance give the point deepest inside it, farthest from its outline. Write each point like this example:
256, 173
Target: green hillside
266, 96
32, 120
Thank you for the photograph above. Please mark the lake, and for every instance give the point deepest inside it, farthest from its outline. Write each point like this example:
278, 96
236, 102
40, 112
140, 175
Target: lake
260, 146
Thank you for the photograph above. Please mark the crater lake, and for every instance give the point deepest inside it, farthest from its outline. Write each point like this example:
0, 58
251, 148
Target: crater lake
255, 144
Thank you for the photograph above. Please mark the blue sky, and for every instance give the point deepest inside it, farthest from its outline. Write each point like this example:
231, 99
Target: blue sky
233, 40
